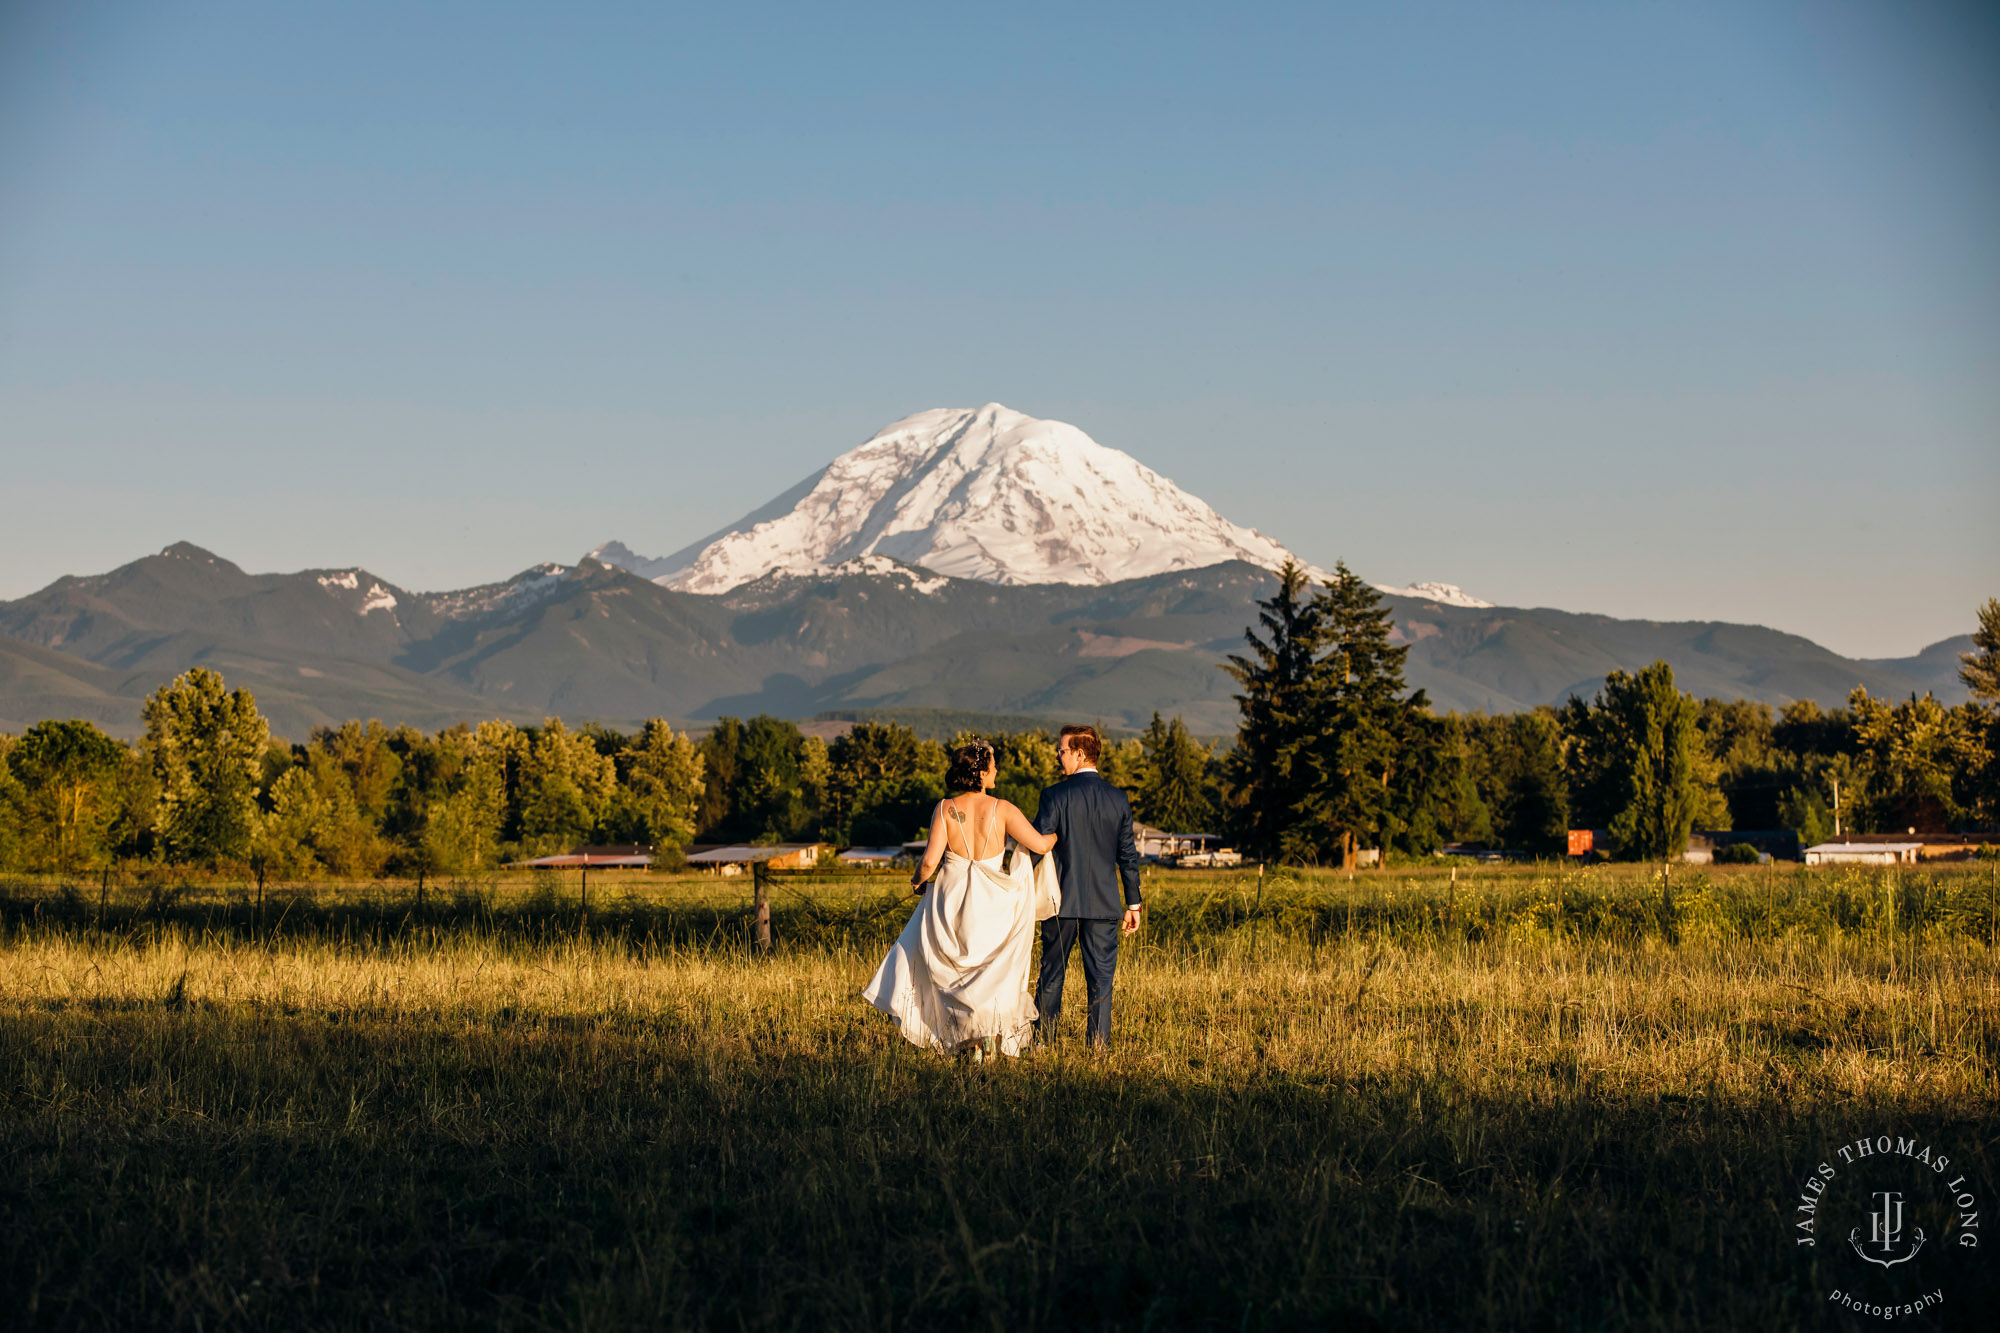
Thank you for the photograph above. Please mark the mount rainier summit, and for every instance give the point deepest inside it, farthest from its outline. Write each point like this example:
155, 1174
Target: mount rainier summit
987, 494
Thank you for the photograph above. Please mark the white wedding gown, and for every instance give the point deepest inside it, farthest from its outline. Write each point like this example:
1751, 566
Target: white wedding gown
959, 972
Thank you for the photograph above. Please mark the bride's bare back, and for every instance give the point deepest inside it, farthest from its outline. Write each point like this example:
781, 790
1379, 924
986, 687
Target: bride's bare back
976, 827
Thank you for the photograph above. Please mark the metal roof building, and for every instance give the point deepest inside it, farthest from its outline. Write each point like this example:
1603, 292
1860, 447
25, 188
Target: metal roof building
1863, 853
628, 857
781, 856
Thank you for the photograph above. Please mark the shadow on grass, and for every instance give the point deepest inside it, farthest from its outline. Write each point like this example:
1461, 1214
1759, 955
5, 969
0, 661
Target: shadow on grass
180, 1166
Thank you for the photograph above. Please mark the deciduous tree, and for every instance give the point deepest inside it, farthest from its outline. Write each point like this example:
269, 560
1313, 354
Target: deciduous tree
204, 741
1922, 762
1636, 748
565, 787
661, 787
68, 800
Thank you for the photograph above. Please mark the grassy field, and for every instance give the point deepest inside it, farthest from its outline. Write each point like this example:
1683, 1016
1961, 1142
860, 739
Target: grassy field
1529, 1098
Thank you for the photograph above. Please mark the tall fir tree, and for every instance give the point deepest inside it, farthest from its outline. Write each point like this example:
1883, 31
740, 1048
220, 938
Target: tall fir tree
1173, 791
1357, 724
720, 751
1429, 787
1533, 814
1269, 777
1981, 670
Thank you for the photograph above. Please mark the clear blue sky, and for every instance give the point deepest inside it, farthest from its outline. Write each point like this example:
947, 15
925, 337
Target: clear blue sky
1664, 310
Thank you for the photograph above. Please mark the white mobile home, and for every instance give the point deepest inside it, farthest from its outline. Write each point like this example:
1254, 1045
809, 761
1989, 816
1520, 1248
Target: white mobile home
1863, 853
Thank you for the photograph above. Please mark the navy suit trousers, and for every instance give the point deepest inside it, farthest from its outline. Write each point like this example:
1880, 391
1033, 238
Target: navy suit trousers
1100, 961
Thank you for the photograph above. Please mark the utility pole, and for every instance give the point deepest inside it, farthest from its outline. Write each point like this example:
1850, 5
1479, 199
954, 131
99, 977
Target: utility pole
1836, 807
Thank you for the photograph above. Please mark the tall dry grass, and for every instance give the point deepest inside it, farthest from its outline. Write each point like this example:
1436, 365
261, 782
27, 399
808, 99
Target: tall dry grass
1525, 1099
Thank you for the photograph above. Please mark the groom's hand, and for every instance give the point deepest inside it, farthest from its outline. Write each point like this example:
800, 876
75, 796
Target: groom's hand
1131, 920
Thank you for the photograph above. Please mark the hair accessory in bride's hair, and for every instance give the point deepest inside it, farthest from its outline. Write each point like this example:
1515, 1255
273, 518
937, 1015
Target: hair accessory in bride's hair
968, 763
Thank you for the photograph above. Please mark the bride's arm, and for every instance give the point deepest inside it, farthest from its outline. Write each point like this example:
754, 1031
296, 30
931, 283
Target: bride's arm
933, 851
1022, 832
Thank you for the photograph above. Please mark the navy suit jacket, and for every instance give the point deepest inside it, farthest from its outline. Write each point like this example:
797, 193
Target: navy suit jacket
1092, 821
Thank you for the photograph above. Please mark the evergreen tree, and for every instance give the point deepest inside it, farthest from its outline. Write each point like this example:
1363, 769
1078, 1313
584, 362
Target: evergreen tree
1981, 673
718, 766
768, 800
1269, 777
1532, 811
1981, 670
204, 742
1173, 793
1357, 722
1430, 789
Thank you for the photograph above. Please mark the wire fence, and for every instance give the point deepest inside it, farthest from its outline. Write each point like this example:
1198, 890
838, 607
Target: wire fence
769, 908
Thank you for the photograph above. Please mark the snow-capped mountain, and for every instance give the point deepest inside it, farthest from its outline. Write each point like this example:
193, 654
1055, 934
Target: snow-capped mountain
1444, 594
984, 493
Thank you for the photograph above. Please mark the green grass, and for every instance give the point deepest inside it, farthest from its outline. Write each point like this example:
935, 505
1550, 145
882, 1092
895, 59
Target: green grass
1528, 1099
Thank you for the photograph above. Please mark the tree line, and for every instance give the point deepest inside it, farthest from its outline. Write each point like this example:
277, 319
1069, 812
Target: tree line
1332, 754
207, 785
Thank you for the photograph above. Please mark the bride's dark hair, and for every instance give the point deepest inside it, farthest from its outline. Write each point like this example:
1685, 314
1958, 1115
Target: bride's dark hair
968, 762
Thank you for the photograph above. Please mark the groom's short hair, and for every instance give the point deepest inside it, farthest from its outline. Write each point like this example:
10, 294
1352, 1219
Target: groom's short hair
1084, 740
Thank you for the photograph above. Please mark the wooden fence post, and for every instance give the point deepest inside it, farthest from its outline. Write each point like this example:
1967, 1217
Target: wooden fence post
760, 899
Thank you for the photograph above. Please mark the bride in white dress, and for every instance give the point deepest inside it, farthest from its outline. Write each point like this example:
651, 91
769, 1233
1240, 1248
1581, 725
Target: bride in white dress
958, 978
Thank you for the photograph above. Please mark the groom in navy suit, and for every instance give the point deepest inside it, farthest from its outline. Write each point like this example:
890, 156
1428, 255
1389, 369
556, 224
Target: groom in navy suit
1095, 857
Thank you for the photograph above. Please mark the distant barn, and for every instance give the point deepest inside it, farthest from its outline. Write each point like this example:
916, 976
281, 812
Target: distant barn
738, 857
627, 856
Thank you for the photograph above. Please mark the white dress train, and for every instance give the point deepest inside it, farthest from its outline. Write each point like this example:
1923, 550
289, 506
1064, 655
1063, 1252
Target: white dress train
959, 972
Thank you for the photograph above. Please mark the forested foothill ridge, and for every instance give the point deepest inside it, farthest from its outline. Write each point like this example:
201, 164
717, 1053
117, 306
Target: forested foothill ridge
594, 642
1332, 752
